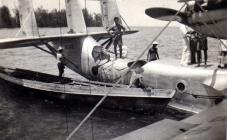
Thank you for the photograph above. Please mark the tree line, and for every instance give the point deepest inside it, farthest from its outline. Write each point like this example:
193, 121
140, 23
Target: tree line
45, 18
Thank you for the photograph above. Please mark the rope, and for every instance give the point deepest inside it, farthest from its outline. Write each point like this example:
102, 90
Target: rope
59, 8
26, 19
118, 81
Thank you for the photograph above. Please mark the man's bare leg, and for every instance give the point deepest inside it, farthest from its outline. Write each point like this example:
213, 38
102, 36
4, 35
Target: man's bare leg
115, 50
120, 49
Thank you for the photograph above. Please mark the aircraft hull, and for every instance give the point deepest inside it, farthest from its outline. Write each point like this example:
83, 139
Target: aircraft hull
198, 81
161, 74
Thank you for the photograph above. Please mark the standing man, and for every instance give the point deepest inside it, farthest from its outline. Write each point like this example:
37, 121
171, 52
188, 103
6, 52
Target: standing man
193, 45
185, 58
153, 52
61, 66
222, 53
198, 48
117, 31
203, 43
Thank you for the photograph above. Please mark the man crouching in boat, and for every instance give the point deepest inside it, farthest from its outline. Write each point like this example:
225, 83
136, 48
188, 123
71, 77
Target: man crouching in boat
61, 66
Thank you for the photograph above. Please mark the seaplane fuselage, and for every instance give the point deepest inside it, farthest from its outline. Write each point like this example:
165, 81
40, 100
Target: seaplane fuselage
86, 57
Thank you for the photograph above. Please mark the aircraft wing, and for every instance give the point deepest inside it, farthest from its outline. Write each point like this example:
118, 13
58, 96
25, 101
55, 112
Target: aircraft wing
30, 41
207, 125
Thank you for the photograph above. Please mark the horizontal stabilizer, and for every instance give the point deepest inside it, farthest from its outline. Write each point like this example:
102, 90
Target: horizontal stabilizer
165, 14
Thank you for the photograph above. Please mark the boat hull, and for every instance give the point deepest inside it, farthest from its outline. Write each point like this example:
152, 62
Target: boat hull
123, 98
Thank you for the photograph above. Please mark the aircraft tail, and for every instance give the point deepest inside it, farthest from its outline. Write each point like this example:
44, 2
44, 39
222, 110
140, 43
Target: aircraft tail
75, 18
109, 10
27, 19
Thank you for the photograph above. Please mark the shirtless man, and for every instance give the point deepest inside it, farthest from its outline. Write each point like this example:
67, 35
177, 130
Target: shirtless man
117, 31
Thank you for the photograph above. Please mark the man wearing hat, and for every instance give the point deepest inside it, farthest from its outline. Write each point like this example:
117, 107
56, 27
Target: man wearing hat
153, 52
61, 66
117, 32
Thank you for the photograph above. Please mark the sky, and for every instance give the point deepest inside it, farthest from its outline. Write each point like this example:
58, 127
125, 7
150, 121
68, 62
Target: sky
133, 11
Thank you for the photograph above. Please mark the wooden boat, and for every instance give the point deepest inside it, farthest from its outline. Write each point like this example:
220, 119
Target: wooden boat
119, 96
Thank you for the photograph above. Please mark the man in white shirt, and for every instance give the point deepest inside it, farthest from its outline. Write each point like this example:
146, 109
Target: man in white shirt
223, 53
61, 66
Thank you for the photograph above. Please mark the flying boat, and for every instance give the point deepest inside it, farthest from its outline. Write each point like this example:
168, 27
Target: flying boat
85, 55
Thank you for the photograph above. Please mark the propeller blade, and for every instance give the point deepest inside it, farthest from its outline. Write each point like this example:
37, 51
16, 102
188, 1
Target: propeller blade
108, 45
105, 42
165, 14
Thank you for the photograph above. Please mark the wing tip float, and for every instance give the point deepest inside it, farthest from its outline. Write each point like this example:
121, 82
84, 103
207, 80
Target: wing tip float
165, 14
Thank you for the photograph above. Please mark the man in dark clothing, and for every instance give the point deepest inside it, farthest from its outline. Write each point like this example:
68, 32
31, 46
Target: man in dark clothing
198, 48
153, 52
204, 47
193, 46
117, 32
198, 52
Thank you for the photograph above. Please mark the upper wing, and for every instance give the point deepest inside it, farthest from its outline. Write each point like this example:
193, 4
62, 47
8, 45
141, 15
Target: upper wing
30, 41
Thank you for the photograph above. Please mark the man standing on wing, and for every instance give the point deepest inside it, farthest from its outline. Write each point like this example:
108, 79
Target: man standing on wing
117, 31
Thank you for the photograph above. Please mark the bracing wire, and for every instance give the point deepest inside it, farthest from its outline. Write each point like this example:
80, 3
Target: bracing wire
118, 81
125, 22
85, 7
59, 15
37, 28
219, 30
